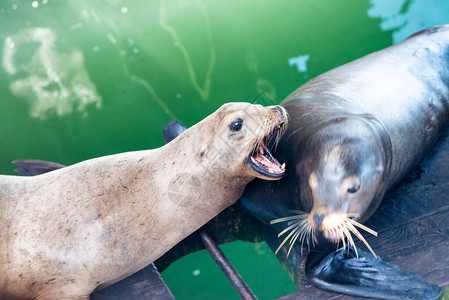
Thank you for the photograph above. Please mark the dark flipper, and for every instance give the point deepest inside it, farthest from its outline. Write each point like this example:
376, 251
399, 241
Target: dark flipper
172, 129
365, 276
32, 167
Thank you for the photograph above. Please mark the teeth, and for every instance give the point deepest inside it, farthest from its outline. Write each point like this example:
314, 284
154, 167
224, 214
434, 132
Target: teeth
283, 166
253, 160
261, 148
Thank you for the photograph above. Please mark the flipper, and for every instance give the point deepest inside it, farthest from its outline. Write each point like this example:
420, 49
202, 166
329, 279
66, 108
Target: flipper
32, 167
172, 129
366, 276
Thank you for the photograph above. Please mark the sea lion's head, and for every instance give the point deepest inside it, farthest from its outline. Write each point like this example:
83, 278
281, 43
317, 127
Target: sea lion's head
340, 173
240, 139
343, 172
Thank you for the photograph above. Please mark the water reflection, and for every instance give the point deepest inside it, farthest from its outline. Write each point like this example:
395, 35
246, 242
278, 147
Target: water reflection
407, 16
52, 82
203, 90
301, 64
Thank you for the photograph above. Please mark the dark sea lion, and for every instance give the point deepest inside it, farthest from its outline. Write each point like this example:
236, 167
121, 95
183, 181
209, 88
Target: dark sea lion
73, 230
354, 132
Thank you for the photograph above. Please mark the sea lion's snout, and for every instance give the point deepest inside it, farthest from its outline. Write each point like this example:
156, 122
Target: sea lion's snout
281, 110
318, 220
338, 227
321, 220
269, 132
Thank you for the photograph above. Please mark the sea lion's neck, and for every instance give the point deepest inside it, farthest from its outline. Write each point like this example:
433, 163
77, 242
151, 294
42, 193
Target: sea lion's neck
188, 198
198, 158
225, 179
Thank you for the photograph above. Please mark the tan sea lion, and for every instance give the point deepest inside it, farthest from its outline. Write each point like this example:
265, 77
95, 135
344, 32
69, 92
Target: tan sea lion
71, 231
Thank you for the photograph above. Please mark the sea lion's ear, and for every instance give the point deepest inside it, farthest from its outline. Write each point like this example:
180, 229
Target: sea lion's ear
203, 151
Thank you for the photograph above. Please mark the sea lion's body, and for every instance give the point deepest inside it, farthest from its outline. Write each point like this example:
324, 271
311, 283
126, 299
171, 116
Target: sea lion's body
80, 228
354, 132
405, 87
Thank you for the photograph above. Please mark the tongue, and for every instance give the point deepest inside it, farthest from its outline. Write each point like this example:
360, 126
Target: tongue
266, 160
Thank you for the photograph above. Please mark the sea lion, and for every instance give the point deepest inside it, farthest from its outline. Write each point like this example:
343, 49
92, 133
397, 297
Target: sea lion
354, 132
77, 229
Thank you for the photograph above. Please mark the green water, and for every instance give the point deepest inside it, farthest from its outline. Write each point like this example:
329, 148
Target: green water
85, 78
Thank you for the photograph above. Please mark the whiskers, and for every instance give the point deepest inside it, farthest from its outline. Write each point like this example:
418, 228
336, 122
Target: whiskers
299, 228
339, 227
269, 133
347, 227
277, 130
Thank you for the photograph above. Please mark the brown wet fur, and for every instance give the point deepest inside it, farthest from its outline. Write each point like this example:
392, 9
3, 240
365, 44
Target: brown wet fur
69, 232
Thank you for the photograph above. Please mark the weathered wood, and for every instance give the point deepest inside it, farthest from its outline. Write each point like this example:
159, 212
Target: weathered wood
419, 246
422, 192
145, 284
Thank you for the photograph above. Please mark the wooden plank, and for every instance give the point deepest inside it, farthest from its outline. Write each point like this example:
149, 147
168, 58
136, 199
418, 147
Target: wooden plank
419, 246
422, 192
145, 284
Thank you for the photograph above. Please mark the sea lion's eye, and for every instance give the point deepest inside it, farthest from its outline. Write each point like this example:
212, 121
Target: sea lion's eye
353, 188
236, 125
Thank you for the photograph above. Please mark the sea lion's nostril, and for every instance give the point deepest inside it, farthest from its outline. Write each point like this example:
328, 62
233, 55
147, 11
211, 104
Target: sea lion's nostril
318, 219
279, 109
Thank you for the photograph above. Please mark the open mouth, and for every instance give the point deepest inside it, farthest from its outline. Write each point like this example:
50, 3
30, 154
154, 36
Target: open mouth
263, 162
